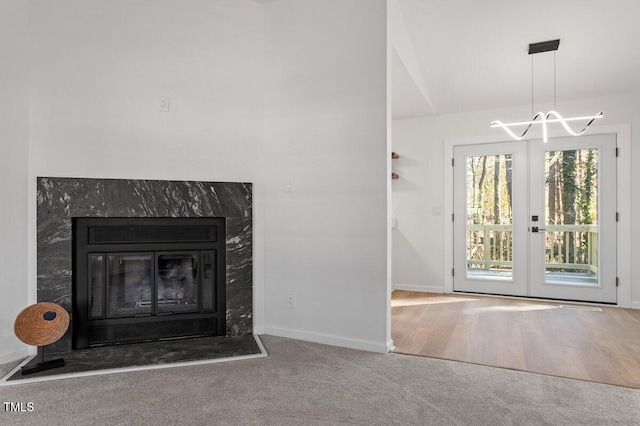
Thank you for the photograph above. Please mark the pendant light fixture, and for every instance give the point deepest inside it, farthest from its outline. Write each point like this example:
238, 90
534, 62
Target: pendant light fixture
551, 116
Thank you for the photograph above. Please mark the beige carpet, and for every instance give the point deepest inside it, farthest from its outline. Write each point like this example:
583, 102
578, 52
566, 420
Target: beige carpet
310, 384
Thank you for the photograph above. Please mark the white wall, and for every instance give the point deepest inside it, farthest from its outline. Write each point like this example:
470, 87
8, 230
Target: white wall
410, 97
418, 241
13, 173
326, 127
97, 71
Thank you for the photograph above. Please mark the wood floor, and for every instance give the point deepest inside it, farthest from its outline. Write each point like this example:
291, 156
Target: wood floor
532, 336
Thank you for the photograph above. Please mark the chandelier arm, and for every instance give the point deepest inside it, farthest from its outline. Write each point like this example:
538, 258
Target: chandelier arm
594, 118
566, 125
544, 119
506, 128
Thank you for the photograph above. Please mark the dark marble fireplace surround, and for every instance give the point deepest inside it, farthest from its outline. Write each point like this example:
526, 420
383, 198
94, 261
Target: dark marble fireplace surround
61, 199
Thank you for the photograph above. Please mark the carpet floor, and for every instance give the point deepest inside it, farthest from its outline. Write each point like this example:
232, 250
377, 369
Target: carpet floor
311, 384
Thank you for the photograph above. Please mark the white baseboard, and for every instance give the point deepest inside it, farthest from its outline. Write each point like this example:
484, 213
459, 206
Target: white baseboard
327, 339
422, 288
635, 305
258, 330
16, 355
390, 346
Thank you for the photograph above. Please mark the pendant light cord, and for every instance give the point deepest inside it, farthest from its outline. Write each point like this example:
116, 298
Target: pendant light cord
531, 85
555, 108
554, 81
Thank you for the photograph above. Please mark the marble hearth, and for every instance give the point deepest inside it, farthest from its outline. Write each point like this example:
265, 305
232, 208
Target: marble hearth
59, 200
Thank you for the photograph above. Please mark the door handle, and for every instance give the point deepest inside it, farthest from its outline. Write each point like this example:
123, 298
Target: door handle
536, 229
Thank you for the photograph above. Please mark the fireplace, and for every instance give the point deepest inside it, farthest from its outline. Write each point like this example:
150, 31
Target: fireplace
143, 279
63, 201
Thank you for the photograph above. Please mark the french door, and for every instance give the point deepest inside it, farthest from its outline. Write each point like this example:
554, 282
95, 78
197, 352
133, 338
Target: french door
535, 219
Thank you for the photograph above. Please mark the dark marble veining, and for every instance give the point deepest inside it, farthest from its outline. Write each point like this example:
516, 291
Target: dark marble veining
61, 199
142, 354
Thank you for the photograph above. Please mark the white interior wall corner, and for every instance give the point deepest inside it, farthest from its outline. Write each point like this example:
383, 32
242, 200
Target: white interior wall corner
326, 128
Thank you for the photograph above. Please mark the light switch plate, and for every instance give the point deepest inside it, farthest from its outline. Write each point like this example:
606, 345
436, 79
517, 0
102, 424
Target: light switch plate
288, 186
163, 104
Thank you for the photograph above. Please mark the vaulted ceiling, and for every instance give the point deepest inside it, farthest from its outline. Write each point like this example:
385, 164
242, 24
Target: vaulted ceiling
466, 55
473, 53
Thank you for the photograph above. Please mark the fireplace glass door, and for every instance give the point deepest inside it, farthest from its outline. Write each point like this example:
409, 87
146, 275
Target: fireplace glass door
145, 279
144, 284
129, 284
177, 282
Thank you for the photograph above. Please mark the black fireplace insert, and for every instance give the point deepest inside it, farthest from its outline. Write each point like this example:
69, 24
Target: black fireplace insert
145, 279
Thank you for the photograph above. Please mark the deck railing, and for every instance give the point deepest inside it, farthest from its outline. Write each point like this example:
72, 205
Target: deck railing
567, 247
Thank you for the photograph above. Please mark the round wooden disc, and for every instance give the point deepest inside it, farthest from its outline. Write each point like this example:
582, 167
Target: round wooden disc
41, 324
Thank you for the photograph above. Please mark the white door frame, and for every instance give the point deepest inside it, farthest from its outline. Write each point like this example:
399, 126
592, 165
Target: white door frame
623, 133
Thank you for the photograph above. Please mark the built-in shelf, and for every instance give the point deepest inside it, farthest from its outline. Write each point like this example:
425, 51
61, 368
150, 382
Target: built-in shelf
394, 156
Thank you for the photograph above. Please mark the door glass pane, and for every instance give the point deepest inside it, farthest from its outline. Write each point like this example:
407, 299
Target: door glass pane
129, 284
489, 217
571, 204
177, 282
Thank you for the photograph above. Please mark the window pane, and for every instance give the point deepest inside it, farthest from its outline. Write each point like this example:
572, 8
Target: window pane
489, 217
571, 198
